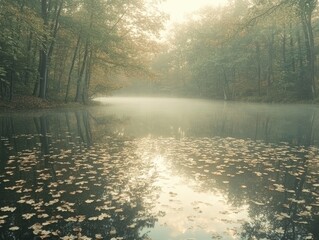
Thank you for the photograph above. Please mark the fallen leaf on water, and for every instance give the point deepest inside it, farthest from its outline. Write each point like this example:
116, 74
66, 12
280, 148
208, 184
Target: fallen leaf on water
258, 203
15, 228
44, 215
98, 236
8, 209
28, 215
71, 219
132, 225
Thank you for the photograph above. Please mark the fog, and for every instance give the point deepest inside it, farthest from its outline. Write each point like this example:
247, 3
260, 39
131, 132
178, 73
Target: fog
295, 123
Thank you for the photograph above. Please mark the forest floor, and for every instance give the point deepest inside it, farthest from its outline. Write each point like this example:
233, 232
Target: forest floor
22, 102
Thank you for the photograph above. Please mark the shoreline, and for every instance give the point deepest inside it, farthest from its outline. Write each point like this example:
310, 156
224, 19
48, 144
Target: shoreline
30, 103
22, 103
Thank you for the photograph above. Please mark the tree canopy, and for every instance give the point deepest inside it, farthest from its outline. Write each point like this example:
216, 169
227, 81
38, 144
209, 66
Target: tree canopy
71, 48
76, 49
258, 50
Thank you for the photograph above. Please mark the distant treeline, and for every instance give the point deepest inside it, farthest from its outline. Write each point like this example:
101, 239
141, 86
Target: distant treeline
254, 50
73, 49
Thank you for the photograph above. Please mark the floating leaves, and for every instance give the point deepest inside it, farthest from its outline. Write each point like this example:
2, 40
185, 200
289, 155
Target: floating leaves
66, 207
14, 228
28, 215
108, 190
279, 187
8, 209
72, 177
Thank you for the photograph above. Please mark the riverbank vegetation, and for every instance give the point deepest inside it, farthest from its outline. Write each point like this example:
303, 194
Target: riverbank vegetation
73, 50
247, 50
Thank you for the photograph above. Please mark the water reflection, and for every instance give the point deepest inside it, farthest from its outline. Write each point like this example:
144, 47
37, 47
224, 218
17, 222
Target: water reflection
134, 170
189, 211
295, 124
277, 183
66, 186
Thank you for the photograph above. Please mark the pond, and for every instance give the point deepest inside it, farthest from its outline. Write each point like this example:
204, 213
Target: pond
161, 168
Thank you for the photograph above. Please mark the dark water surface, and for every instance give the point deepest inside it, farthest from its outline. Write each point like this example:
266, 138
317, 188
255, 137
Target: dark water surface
143, 168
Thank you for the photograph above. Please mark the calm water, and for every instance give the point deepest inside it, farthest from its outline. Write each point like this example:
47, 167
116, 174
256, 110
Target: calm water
143, 168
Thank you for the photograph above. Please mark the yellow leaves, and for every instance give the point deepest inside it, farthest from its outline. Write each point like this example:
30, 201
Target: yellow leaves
79, 218
304, 214
49, 222
44, 215
279, 187
2, 221
14, 228
71, 219
51, 202
30, 202
282, 216
8, 209
280, 230
131, 185
66, 207
69, 237
100, 217
113, 231
258, 203
28, 215
98, 237
36, 226
133, 225
119, 210
12, 188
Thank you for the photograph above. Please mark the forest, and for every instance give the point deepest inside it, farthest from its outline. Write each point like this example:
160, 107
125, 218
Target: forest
75, 50
70, 49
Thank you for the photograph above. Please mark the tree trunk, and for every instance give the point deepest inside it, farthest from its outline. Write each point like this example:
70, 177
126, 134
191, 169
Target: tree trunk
87, 79
226, 90
292, 50
43, 55
82, 76
43, 77
47, 46
284, 43
258, 67
11, 83
270, 72
306, 10
71, 68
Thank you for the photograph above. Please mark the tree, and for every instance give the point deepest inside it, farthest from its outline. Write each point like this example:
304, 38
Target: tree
103, 36
50, 13
263, 50
19, 35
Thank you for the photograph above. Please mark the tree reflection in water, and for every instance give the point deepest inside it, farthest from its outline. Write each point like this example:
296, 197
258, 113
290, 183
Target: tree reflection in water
78, 174
57, 183
278, 182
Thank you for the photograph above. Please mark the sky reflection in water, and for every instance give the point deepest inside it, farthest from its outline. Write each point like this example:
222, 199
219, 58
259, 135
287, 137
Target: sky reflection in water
189, 212
153, 168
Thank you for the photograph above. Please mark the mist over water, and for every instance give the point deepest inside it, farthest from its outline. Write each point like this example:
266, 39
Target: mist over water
295, 124
161, 168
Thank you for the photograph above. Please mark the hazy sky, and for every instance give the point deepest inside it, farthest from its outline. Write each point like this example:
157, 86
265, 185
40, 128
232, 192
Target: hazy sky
178, 8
